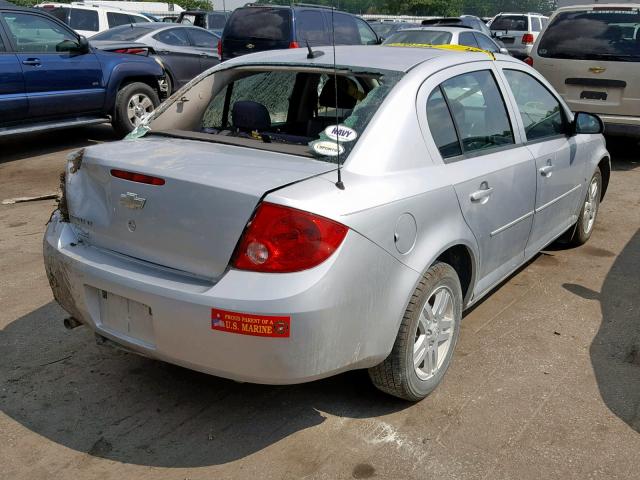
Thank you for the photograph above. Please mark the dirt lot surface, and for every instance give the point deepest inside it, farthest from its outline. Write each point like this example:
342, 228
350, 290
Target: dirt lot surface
545, 382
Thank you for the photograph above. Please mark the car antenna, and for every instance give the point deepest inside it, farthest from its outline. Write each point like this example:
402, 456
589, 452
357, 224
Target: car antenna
313, 54
339, 183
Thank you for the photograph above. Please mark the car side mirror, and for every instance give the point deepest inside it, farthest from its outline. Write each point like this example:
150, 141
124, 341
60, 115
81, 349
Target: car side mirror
83, 45
587, 123
504, 51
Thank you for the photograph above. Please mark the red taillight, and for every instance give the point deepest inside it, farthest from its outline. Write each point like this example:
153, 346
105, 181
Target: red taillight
132, 51
137, 177
282, 239
529, 61
527, 39
220, 48
294, 45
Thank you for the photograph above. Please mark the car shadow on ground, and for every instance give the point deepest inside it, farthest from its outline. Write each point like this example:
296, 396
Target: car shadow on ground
615, 350
127, 408
29, 145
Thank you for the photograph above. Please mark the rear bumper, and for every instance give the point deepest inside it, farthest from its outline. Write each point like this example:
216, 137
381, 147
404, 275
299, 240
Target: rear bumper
344, 314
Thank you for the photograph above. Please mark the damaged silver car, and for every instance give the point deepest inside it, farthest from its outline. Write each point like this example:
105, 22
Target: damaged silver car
283, 218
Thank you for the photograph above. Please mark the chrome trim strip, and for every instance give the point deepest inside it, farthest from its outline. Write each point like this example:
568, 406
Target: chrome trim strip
511, 224
557, 199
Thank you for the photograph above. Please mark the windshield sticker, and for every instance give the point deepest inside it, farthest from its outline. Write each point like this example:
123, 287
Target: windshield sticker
341, 133
328, 148
249, 324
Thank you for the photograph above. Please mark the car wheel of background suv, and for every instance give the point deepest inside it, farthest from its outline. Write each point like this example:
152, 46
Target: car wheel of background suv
427, 337
133, 102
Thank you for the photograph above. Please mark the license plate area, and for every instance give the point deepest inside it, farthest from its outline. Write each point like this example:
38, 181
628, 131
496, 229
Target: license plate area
507, 40
591, 95
126, 318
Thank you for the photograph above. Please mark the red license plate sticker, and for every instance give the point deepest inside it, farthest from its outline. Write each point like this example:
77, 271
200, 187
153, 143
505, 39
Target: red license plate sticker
250, 324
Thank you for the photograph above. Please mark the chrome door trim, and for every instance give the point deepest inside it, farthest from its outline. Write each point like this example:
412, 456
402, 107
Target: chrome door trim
557, 199
511, 224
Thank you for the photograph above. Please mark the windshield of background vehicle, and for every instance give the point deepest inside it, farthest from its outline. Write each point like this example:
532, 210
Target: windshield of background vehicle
295, 111
426, 37
259, 23
598, 34
517, 23
123, 33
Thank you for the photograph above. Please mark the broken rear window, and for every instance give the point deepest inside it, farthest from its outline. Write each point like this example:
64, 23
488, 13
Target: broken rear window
321, 113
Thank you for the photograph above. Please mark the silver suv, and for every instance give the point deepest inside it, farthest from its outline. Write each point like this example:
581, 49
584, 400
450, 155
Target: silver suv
518, 31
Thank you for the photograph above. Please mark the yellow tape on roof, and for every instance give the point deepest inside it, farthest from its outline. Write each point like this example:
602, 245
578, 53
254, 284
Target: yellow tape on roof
455, 48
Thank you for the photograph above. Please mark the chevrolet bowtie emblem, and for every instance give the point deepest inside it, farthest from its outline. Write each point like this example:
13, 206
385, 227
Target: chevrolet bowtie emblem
597, 69
250, 46
132, 201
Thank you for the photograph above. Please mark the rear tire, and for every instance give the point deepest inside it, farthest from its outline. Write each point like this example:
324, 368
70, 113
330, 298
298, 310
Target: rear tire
133, 102
427, 337
587, 219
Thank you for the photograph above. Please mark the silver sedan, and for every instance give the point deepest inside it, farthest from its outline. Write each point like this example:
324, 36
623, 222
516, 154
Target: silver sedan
281, 221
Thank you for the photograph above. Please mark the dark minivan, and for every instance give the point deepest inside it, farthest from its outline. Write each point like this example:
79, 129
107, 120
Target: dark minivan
214, 21
256, 28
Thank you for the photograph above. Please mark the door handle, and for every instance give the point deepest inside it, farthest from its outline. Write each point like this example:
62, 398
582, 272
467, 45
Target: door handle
482, 195
546, 171
32, 61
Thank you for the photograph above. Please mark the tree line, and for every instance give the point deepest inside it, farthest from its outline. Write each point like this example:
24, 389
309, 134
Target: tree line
482, 8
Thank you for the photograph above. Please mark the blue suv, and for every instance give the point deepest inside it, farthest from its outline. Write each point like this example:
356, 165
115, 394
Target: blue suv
51, 78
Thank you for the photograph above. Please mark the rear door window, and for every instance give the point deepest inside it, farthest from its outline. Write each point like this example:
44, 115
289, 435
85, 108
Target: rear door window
541, 112
467, 39
486, 43
174, 36
346, 30
262, 23
310, 27
202, 38
478, 110
139, 19
367, 35
115, 19
80, 19
516, 23
598, 34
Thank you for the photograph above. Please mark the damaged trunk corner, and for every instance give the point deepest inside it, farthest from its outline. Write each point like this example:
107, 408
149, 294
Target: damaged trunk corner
74, 162
58, 276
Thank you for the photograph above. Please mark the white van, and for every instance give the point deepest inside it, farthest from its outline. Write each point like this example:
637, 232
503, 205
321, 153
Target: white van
88, 20
591, 55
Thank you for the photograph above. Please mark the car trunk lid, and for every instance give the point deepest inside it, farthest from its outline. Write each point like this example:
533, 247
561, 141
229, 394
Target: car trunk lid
194, 220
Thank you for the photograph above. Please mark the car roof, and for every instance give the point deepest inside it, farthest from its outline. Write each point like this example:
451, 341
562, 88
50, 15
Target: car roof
375, 58
436, 28
155, 26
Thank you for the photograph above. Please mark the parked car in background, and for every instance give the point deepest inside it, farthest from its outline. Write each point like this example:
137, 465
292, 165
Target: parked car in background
518, 31
445, 36
385, 29
183, 50
591, 55
88, 20
256, 28
52, 78
468, 21
214, 21
219, 238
